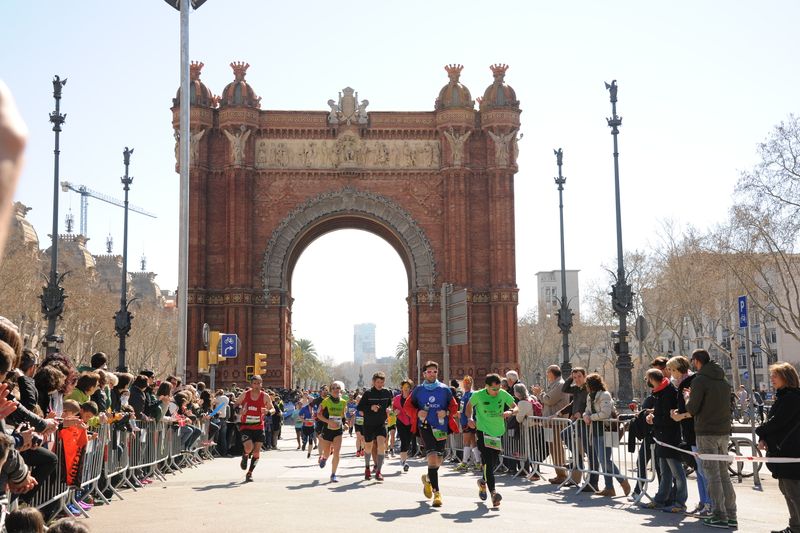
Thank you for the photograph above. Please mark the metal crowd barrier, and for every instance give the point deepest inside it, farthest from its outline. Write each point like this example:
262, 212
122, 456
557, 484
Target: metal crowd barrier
118, 459
544, 446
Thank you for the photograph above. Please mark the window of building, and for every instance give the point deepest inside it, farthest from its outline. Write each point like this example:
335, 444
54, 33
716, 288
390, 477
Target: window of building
758, 360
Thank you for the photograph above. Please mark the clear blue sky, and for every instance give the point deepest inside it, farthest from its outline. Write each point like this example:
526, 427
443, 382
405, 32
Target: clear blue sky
700, 84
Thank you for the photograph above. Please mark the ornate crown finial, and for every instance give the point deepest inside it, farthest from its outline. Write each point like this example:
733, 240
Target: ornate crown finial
239, 69
499, 70
194, 70
454, 71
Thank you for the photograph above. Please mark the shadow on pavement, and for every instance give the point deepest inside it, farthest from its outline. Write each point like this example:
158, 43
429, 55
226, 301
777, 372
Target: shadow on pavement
391, 515
303, 485
464, 517
228, 485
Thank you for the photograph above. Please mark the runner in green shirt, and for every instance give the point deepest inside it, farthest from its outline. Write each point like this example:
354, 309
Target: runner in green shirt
487, 410
332, 413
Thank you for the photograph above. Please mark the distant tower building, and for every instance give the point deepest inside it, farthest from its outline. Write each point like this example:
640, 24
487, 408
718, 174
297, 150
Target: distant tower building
363, 344
548, 286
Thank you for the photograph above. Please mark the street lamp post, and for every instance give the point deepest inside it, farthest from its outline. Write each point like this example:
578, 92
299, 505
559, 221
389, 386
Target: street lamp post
123, 317
564, 313
621, 295
53, 294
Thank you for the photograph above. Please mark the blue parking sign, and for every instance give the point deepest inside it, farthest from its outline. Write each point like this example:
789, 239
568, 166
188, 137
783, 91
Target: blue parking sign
742, 311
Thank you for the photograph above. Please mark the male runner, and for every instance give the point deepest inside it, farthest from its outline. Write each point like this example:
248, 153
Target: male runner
319, 425
430, 405
490, 404
255, 404
374, 406
331, 413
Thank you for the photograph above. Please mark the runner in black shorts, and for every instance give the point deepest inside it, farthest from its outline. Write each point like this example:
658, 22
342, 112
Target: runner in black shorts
374, 406
255, 403
332, 413
319, 426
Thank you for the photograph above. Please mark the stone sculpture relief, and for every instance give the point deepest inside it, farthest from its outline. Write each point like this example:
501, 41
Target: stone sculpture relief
348, 151
457, 143
348, 110
238, 141
194, 146
503, 143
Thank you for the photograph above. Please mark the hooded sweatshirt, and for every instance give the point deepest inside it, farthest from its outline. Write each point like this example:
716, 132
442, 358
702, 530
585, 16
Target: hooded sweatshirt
709, 401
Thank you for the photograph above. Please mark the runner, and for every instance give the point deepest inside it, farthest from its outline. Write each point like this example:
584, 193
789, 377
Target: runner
391, 428
351, 413
358, 420
319, 426
255, 404
430, 405
471, 453
374, 406
404, 422
307, 417
331, 413
487, 412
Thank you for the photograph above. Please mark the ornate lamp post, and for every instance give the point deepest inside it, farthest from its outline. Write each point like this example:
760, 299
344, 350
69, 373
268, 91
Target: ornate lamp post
53, 294
621, 295
122, 318
564, 313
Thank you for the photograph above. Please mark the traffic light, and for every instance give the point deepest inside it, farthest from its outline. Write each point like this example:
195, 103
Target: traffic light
213, 347
260, 364
202, 361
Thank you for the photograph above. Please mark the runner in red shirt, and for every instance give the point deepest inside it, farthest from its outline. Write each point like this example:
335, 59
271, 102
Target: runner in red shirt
255, 403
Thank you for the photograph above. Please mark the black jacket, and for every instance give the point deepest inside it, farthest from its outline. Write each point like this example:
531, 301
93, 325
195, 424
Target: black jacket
687, 424
578, 396
665, 429
137, 400
781, 432
28, 395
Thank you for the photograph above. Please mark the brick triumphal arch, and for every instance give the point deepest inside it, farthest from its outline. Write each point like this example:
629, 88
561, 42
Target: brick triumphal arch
437, 185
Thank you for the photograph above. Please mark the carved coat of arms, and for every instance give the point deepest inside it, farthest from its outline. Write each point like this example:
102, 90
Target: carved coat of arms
348, 110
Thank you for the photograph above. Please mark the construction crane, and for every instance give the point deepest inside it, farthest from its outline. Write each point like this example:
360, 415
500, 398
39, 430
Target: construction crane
86, 192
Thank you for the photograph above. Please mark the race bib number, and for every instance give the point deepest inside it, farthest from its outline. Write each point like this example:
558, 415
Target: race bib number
308, 423
495, 443
439, 434
359, 420
252, 419
335, 422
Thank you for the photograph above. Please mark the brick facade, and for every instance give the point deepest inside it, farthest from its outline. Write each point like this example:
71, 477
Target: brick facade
437, 185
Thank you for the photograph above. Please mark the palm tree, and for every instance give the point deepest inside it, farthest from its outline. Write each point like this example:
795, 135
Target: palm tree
400, 367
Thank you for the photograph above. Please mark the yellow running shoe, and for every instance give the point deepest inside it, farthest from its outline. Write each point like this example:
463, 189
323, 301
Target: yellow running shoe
437, 499
427, 489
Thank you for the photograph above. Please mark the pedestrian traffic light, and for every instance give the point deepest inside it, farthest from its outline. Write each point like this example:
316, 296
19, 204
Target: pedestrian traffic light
260, 364
202, 361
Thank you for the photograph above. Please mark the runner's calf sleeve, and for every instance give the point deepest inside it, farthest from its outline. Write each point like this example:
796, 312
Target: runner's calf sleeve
379, 463
433, 476
367, 456
465, 455
476, 453
253, 463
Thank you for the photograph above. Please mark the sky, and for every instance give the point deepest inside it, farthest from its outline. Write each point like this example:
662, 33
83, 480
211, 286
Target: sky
700, 84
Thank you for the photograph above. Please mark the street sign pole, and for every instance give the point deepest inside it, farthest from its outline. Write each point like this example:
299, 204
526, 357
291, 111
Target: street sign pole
750, 353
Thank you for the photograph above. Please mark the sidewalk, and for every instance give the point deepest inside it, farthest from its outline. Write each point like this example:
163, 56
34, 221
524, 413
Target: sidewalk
291, 493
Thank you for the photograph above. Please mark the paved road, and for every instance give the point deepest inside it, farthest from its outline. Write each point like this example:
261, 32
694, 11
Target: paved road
290, 493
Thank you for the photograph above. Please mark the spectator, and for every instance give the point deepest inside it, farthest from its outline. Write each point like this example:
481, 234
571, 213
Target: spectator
758, 403
600, 409
554, 400
120, 395
138, 398
87, 384
708, 404
221, 407
679, 368
742, 399
668, 431
26, 520
512, 377
48, 380
780, 437
68, 525
575, 386
28, 395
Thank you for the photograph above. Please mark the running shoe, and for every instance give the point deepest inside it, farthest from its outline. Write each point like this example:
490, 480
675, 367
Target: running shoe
496, 499
85, 506
437, 499
378, 476
243, 463
705, 512
248, 478
461, 467
716, 522
308, 455
733, 523
334, 479
322, 461
367, 474
73, 509
405, 467
482, 490
427, 489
